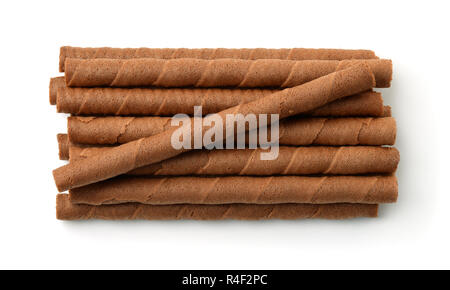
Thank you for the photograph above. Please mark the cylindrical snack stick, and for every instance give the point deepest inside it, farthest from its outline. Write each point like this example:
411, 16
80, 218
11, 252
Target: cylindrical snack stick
63, 146
168, 102
189, 72
345, 160
212, 53
65, 210
159, 147
293, 131
55, 84
239, 189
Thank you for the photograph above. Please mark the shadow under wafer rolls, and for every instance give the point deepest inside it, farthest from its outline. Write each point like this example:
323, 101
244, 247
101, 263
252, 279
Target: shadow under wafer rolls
168, 102
188, 72
65, 210
348, 160
212, 53
239, 189
294, 131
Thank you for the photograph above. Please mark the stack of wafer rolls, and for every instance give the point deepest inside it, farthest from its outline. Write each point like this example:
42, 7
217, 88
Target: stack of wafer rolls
334, 159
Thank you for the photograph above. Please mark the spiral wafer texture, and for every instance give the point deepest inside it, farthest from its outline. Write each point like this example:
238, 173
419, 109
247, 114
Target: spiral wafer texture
212, 53
349, 160
239, 189
54, 86
168, 102
294, 131
188, 72
153, 149
65, 210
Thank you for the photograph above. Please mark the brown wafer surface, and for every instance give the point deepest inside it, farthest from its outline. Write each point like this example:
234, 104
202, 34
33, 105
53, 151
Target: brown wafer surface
65, 210
168, 102
188, 72
290, 161
294, 131
212, 53
159, 147
239, 189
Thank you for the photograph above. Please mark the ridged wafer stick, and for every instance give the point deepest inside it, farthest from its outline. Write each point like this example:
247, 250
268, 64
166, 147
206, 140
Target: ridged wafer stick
338, 131
187, 72
159, 147
55, 84
212, 53
293, 131
65, 210
290, 161
168, 102
239, 189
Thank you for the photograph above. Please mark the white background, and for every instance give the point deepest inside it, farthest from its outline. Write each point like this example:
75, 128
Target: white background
414, 233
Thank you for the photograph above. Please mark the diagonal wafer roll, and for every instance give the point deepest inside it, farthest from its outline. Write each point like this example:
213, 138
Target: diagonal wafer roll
212, 53
65, 210
290, 161
55, 84
187, 72
239, 189
159, 147
168, 102
293, 131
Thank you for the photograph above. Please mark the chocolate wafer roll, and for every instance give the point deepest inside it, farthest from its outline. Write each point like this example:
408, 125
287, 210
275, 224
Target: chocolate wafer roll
153, 149
387, 111
290, 161
295, 131
212, 53
65, 210
55, 84
239, 189
63, 146
338, 131
168, 102
188, 72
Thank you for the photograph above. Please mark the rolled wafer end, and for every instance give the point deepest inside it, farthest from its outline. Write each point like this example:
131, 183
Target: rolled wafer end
60, 179
65, 210
63, 146
387, 111
382, 69
69, 66
357, 78
62, 58
60, 207
55, 84
395, 131
384, 73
